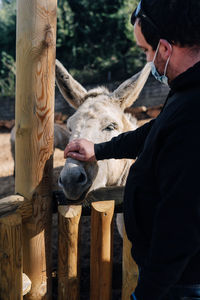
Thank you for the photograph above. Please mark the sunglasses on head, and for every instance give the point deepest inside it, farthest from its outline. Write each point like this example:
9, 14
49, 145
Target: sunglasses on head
139, 13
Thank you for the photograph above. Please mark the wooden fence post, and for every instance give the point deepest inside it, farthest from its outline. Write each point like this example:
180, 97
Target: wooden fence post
68, 252
101, 250
11, 257
35, 82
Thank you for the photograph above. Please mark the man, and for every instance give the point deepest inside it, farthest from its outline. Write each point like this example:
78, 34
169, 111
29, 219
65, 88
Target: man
162, 195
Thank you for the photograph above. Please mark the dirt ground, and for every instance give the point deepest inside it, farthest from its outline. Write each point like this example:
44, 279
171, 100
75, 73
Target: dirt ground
7, 188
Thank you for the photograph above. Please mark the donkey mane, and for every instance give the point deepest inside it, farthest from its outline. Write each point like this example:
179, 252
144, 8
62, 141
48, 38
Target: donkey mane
93, 93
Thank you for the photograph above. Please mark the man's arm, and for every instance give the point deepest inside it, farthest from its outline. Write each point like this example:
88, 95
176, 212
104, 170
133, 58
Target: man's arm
176, 230
125, 145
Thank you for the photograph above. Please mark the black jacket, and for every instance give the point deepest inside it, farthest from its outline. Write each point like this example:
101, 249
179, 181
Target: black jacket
162, 193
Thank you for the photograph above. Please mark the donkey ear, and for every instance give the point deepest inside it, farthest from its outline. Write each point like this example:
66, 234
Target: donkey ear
61, 137
72, 91
128, 92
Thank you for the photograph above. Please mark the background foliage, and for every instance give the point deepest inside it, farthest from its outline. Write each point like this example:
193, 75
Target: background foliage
94, 41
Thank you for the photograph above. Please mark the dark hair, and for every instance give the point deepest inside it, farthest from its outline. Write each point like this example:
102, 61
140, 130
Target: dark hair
178, 22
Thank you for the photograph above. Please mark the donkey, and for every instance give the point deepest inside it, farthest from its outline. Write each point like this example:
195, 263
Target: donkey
99, 116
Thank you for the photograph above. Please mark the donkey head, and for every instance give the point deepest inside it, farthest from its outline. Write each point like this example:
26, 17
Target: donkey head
99, 116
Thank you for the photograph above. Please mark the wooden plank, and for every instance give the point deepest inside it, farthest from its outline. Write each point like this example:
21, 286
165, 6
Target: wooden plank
35, 85
106, 193
102, 194
11, 257
101, 250
16, 203
68, 252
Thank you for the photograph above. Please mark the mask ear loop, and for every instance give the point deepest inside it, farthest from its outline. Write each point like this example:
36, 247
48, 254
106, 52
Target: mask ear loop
156, 52
165, 70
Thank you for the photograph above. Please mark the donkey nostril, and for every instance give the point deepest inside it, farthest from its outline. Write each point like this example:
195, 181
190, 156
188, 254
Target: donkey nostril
81, 178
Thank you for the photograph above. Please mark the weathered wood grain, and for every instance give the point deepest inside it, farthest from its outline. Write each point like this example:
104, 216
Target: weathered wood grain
101, 250
68, 249
11, 257
35, 82
18, 204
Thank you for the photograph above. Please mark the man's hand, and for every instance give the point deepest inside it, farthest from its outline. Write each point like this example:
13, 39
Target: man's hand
81, 150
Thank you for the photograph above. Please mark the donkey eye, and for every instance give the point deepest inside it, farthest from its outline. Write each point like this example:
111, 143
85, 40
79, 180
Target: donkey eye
110, 127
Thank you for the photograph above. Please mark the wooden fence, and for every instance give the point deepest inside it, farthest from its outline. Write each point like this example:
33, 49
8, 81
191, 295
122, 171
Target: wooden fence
16, 210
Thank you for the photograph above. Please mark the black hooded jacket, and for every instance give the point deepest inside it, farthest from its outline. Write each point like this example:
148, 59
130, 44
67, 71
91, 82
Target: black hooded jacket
162, 193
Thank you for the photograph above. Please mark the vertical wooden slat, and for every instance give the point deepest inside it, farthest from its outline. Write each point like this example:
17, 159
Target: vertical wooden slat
35, 82
11, 257
68, 252
101, 250
129, 270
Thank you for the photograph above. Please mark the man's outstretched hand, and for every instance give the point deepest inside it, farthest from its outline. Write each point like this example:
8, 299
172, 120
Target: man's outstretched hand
80, 149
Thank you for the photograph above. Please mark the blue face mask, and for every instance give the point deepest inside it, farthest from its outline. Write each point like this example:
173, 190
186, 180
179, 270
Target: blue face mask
162, 78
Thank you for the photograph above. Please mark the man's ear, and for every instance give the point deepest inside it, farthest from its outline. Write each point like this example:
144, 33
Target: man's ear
165, 49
